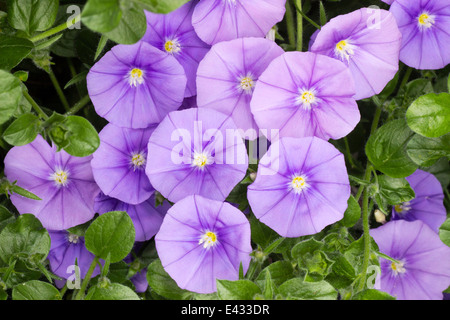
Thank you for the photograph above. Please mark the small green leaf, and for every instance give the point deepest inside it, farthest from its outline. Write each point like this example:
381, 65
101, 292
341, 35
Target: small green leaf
10, 95
372, 294
83, 139
426, 151
23, 130
444, 232
35, 290
13, 51
111, 233
352, 214
237, 290
297, 289
395, 190
280, 271
429, 115
165, 6
23, 192
112, 291
101, 15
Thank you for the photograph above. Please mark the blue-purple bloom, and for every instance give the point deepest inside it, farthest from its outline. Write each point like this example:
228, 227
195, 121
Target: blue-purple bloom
424, 25
228, 75
136, 85
368, 41
146, 216
302, 94
428, 204
221, 20
202, 240
422, 267
196, 151
63, 182
174, 34
119, 163
301, 186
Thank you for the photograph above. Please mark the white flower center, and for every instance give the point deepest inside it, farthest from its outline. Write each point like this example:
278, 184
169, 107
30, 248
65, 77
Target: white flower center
246, 84
425, 21
172, 46
60, 177
306, 98
298, 184
137, 160
136, 77
73, 238
344, 50
201, 160
398, 267
208, 239
403, 208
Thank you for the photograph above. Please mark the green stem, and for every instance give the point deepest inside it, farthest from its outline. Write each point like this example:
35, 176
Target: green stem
298, 4
290, 24
86, 279
299, 11
79, 105
348, 153
273, 246
384, 256
405, 78
59, 91
55, 30
35, 106
63, 291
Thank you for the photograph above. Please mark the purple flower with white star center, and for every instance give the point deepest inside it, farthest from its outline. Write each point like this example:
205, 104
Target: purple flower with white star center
221, 20
66, 249
119, 163
174, 34
146, 216
63, 182
428, 204
196, 151
227, 77
301, 186
424, 25
368, 41
422, 267
202, 240
136, 85
302, 94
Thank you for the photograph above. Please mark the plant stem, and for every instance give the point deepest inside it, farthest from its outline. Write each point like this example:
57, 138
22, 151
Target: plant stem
348, 153
59, 91
35, 106
299, 25
299, 11
79, 105
405, 78
55, 30
273, 246
86, 279
290, 24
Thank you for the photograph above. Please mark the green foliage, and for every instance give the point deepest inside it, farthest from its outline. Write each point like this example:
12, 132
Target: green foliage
35, 290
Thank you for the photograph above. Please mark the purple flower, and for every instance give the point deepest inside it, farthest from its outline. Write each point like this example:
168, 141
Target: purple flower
174, 34
202, 240
301, 186
227, 77
196, 151
422, 270
136, 85
63, 182
368, 41
66, 248
428, 204
118, 164
139, 281
146, 217
188, 103
424, 25
302, 94
222, 20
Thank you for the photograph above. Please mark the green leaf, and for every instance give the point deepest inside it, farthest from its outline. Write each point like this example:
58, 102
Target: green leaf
280, 271
352, 214
160, 282
10, 95
395, 190
23, 130
297, 289
101, 15
372, 294
32, 15
269, 287
426, 151
23, 192
444, 232
24, 237
83, 139
13, 50
35, 290
111, 233
132, 26
6, 217
237, 290
158, 6
429, 115
113, 291
386, 149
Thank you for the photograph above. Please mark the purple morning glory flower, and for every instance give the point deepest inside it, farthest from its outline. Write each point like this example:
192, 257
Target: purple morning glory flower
428, 204
174, 34
227, 77
63, 182
202, 240
301, 186
188, 103
196, 151
66, 248
139, 281
424, 25
368, 41
146, 216
423, 268
136, 85
118, 164
221, 20
302, 94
